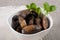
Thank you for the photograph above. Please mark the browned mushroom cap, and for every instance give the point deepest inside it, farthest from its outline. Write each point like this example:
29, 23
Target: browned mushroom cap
30, 29
22, 22
24, 13
45, 22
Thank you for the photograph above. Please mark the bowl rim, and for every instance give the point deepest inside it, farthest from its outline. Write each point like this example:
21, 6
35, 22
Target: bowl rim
48, 16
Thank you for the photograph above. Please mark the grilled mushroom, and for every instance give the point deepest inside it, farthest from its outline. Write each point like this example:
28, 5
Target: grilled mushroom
45, 22
24, 13
15, 22
31, 29
22, 22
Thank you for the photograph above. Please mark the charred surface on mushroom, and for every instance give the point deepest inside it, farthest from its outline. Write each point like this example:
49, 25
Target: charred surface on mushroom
19, 29
15, 18
15, 22
30, 17
34, 14
24, 13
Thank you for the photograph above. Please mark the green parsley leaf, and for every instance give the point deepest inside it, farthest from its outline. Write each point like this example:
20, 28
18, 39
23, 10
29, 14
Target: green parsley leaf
28, 6
46, 7
52, 8
33, 6
38, 10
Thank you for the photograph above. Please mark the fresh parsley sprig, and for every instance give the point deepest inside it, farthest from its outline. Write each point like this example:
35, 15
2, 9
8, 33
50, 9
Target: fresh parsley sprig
48, 8
33, 7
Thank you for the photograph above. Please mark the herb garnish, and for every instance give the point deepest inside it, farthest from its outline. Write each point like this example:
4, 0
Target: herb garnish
47, 8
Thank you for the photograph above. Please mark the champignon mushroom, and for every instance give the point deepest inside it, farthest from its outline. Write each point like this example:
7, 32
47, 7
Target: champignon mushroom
34, 14
15, 22
45, 22
24, 13
31, 29
22, 22
15, 25
15, 18
31, 20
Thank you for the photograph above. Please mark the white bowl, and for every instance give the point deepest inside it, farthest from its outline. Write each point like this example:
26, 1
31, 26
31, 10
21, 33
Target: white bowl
35, 36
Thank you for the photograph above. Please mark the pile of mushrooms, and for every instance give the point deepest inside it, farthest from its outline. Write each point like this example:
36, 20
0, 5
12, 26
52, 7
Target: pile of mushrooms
28, 22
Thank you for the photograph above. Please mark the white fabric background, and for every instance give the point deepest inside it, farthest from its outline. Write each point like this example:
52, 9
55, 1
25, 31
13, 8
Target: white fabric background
6, 7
